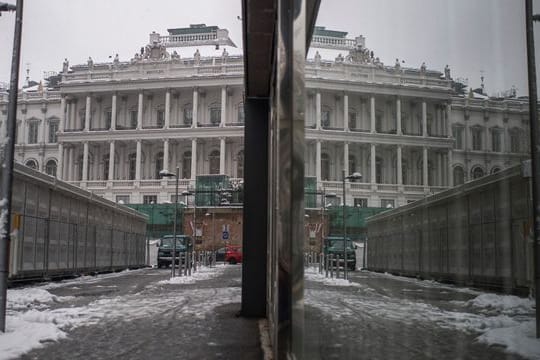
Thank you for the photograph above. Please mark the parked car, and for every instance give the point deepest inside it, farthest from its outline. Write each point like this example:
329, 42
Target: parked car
231, 254
333, 245
165, 249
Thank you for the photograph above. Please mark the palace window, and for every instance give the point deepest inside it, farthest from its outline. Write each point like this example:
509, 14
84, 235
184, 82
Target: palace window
325, 118
186, 165
477, 172
457, 132
108, 119
132, 166
53, 128
360, 202
496, 136
325, 167
32, 164
188, 114
133, 114
159, 164
215, 115
33, 127
352, 119
241, 115
160, 118
122, 199
476, 138
106, 167
387, 203
50, 168
240, 164
149, 199
213, 159
515, 141
459, 176
352, 164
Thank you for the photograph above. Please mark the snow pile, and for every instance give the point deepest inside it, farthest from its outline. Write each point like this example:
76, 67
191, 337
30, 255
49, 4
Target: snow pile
30, 322
313, 275
202, 273
505, 304
520, 339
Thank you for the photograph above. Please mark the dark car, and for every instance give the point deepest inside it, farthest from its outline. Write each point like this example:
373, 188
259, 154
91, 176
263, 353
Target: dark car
333, 246
165, 249
231, 254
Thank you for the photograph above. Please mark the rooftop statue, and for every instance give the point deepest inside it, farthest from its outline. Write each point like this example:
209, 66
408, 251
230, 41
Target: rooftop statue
397, 66
65, 66
175, 55
317, 59
340, 58
224, 56
423, 68
197, 57
447, 72
360, 55
90, 63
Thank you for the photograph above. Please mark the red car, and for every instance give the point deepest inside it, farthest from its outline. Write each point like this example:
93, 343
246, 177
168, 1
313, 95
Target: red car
231, 254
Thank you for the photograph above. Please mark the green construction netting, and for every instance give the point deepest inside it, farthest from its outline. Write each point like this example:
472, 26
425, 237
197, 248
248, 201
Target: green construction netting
211, 190
355, 220
160, 218
310, 192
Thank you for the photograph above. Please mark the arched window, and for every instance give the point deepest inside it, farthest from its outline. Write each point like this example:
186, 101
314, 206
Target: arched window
240, 164
213, 159
352, 164
186, 165
326, 117
159, 164
132, 159
495, 169
32, 164
477, 172
459, 176
325, 167
50, 168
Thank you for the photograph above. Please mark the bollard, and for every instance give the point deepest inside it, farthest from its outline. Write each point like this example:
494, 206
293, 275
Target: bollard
321, 262
332, 266
188, 263
326, 264
193, 256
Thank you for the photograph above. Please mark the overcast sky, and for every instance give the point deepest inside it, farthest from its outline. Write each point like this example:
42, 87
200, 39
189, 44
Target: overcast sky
473, 37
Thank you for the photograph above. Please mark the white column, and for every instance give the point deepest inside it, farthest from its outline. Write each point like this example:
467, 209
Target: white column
166, 154
85, 161
193, 158
60, 165
318, 160
195, 112
345, 112
111, 161
167, 110
424, 118
372, 113
425, 166
399, 166
398, 116
318, 108
346, 158
222, 155
223, 107
373, 164
113, 112
62, 122
140, 111
87, 113
450, 177
138, 160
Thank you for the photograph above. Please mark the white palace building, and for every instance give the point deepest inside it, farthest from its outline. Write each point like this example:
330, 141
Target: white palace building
110, 127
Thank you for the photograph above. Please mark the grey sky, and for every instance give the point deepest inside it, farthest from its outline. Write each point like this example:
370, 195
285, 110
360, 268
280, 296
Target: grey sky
470, 36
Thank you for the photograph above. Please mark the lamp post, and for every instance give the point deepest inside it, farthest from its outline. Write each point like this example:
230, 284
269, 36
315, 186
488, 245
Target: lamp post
353, 176
324, 206
166, 173
213, 227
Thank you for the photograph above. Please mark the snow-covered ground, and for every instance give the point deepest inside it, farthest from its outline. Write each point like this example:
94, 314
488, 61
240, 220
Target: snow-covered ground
493, 319
36, 317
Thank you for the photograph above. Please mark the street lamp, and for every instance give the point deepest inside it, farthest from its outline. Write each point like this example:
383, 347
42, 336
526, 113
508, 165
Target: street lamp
213, 227
324, 206
354, 176
166, 173
187, 193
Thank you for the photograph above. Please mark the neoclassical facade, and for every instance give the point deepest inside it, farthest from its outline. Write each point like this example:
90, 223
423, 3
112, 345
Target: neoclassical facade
111, 127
